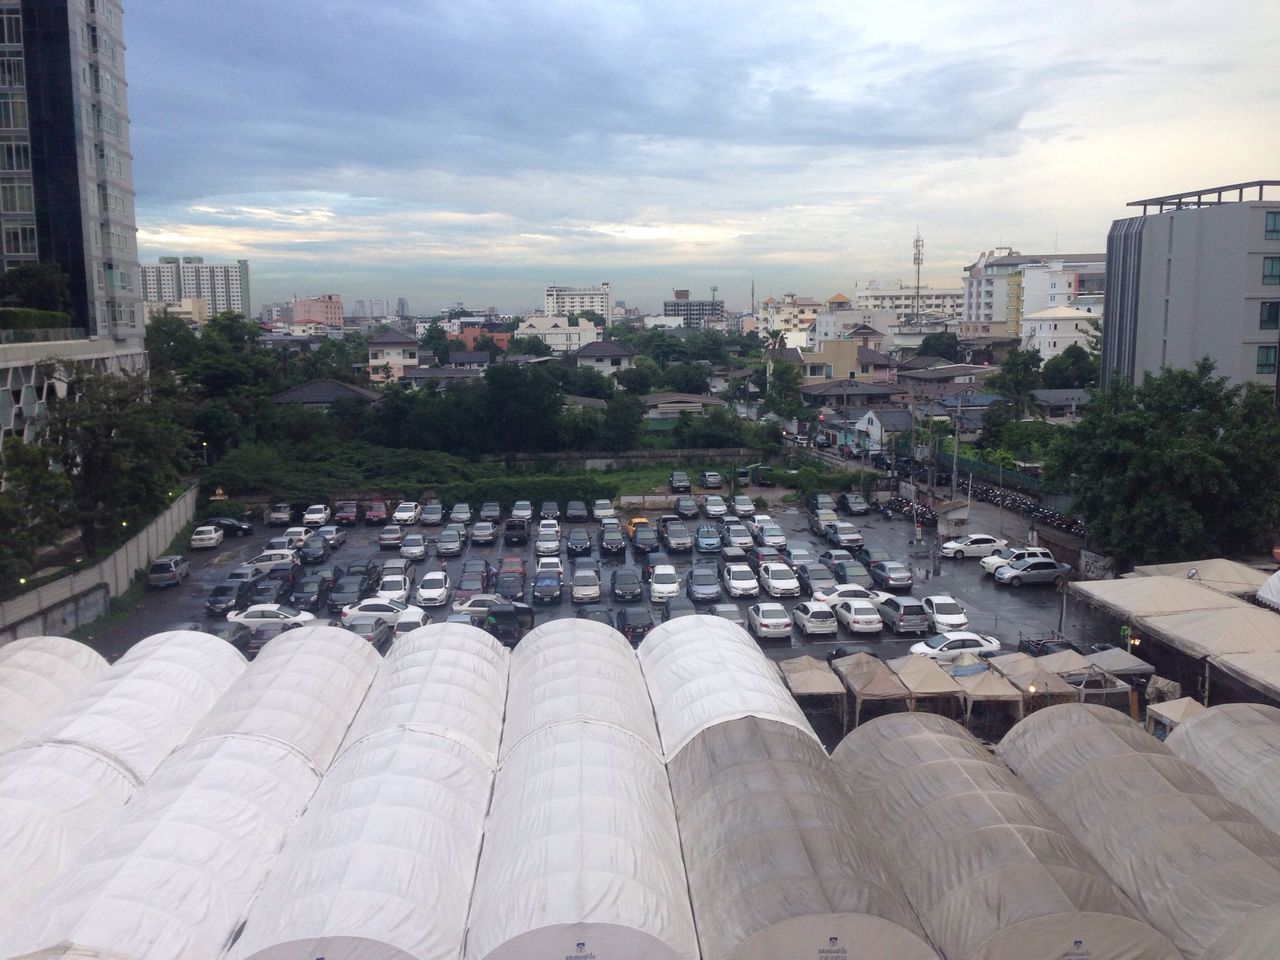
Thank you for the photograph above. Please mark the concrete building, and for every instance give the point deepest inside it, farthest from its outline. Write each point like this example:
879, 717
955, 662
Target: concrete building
223, 286
561, 301
695, 314
66, 196
324, 310
390, 354
1051, 331
1196, 275
1003, 285
901, 301
193, 310
791, 316
606, 357
558, 333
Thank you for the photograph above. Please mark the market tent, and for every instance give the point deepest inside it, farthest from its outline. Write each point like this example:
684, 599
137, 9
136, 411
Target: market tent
381, 864
1120, 663
780, 862
38, 675
1204, 871
1171, 713
1039, 685
966, 664
1238, 746
1211, 633
703, 670
997, 877
1011, 663
1063, 661
1151, 596
1269, 593
924, 680
988, 687
869, 680
75, 770
1225, 576
1097, 686
1261, 671
812, 678
581, 846
576, 670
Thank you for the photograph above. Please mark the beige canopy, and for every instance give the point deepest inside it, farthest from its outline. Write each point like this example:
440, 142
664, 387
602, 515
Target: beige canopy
995, 877
1011, 663
1038, 682
988, 687
923, 678
1064, 661
1225, 576
1204, 871
869, 679
1211, 633
1238, 746
1173, 712
1120, 663
810, 677
1150, 596
1259, 670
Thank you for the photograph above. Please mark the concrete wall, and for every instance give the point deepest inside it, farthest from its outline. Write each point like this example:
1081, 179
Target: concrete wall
67, 603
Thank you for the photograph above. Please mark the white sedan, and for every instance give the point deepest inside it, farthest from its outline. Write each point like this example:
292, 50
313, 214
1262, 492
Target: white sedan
945, 613
858, 615
769, 620
205, 537
779, 580
813, 617
974, 545
261, 613
664, 584
389, 610
847, 591
433, 590
316, 515
407, 513
948, 646
393, 587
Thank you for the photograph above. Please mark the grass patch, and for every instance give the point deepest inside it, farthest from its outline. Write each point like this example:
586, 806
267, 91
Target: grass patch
119, 610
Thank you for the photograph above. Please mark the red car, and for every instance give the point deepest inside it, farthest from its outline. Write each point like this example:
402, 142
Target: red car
511, 565
375, 513
347, 513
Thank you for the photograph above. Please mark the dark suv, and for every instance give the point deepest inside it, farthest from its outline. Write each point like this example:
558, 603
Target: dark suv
227, 596
680, 482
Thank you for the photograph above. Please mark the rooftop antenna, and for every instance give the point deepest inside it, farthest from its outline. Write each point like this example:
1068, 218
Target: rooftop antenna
917, 258
714, 288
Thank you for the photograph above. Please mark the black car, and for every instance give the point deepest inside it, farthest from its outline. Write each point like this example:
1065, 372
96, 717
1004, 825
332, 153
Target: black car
645, 539
511, 585
260, 635
330, 573
491, 510
576, 512
854, 504
866, 555
680, 482
687, 508
651, 560
550, 510
271, 591
626, 584
236, 634
678, 607
286, 573
315, 550
373, 628
612, 541
230, 526
634, 623
483, 568
547, 587
352, 588
310, 593
578, 542
515, 532
508, 622
227, 596
593, 611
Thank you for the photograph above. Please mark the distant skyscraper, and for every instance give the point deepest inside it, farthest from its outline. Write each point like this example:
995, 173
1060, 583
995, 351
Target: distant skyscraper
402, 307
696, 314
223, 286
560, 301
66, 177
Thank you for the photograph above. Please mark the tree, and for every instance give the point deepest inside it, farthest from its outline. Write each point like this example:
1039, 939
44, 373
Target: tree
638, 380
486, 344
36, 286
994, 421
171, 344
1178, 468
783, 395
944, 345
1017, 381
623, 421
1073, 368
530, 346
687, 378
435, 341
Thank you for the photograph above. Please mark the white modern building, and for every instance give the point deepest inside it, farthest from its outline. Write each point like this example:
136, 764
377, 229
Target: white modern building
1003, 285
1051, 331
903, 303
561, 334
223, 286
561, 301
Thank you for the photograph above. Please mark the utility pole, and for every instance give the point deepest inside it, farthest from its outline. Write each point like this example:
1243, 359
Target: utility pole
955, 445
917, 258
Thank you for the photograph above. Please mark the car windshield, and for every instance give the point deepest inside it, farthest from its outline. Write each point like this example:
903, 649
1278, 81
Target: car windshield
771, 530
449, 536
735, 530
414, 540
433, 580
947, 609
741, 574
665, 576
393, 583
584, 579
703, 577
224, 590
470, 581
779, 573
936, 643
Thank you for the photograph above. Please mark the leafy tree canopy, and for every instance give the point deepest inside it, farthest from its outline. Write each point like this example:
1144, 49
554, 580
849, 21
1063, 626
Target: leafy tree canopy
1017, 381
944, 345
37, 286
1074, 368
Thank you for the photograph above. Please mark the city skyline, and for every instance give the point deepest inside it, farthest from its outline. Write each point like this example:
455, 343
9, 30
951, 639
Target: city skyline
479, 155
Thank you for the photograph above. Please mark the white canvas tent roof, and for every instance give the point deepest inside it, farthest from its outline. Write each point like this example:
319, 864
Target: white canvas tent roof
809, 676
924, 678
1258, 670
1269, 593
1173, 712
869, 680
1225, 576
38, 675
1238, 746
704, 670
1062, 661
382, 863
1120, 663
576, 669
988, 687
998, 877
1204, 871
1045, 684
770, 874
1151, 596
581, 845
1211, 633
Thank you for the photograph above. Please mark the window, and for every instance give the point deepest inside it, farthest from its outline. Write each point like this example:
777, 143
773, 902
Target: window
1273, 225
13, 112
1267, 359
20, 240
1269, 318
16, 198
11, 28
17, 156
12, 73
1271, 271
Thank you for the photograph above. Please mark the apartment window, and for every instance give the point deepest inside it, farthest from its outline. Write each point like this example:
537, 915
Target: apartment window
11, 28
1267, 359
12, 73
1273, 225
13, 112
1270, 270
16, 198
17, 156
20, 240
1269, 316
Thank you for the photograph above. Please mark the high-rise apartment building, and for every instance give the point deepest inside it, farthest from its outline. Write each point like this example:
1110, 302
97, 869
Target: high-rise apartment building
66, 175
223, 286
903, 302
1002, 286
561, 301
1196, 275
696, 314
324, 310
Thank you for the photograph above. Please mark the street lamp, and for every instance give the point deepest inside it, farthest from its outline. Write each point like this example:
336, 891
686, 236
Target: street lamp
204, 445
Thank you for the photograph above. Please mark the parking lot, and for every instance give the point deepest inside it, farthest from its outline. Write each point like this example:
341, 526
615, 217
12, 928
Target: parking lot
1002, 612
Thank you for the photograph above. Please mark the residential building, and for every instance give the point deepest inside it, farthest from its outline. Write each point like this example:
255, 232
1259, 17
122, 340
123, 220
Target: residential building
561, 301
792, 316
67, 196
996, 294
695, 314
469, 359
1051, 331
451, 326
1058, 282
669, 406
273, 314
390, 354
561, 334
223, 286
469, 335
193, 310
402, 307
606, 356
325, 310
901, 301
662, 323
322, 394
1196, 275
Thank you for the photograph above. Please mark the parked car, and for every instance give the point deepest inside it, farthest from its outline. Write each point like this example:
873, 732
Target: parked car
433, 589
548, 586
332, 534
227, 596
853, 504
891, 575
486, 570
687, 508
762, 476
868, 555
389, 610
714, 507
678, 607
350, 589
945, 613
678, 538
710, 480
169, 571
645, 539
547, 543
814, 578
310, 594
576, 512
347, 513
246, 572
375, 513
850, 571
821, 501
507, 622
848, 591
1010, 554
585, 585
679, 482
258, 613
768, 620
974, 545
706, 539
511, 584
770, 535
394, 587
236, 634
730, 612
634, 623
515, 532
329, 572
432, 514
271, 591
1032, 570
819, 520
316, 550
279, 515
316, 515
550, 510
578, 542
947, 646
778, 580
373, 628
737, 535
740, 581
260, 635
742, 506
231, 526
611, 538
491, 511
858, 616
297, 536
903, 614
407, 513
702, 585
603, 510
593, 611
843, 534
484, 532
410, 621
758, 556
664, 583
742, 477
815, 618
625, 584
205, 538
461, 513
449, 543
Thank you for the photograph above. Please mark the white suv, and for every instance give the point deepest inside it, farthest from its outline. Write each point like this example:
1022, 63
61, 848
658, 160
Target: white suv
1011, 554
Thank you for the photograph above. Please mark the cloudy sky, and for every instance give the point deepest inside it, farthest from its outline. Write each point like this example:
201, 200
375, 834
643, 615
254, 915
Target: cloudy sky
478, 151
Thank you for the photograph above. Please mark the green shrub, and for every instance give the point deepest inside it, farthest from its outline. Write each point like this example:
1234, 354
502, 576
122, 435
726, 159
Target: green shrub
22, 318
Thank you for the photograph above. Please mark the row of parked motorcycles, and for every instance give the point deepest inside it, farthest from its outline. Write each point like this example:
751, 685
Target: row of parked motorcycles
1031, 508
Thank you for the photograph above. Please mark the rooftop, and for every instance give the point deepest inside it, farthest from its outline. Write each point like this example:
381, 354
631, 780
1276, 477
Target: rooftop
1207, 197
605, 348
325, 392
